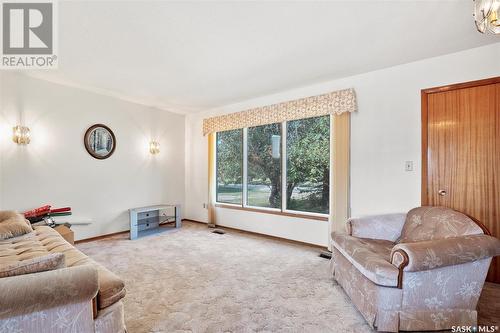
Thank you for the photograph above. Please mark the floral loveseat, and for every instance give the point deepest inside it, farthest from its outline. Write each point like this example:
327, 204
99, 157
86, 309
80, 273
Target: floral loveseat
413, 272
47, 285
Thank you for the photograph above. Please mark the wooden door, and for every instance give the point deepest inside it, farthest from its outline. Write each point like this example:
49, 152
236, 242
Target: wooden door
461, 152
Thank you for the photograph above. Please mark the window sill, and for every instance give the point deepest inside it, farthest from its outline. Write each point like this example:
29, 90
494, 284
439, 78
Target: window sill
273, 212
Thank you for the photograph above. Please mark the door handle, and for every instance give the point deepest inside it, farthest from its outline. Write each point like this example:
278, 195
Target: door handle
442, 193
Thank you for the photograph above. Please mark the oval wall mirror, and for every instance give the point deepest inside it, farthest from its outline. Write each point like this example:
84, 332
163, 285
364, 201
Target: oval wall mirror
100, 141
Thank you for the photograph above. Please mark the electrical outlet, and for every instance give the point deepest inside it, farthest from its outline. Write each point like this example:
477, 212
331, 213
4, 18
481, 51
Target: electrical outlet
409, 166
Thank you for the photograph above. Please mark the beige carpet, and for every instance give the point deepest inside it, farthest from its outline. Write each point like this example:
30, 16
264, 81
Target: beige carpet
191, 280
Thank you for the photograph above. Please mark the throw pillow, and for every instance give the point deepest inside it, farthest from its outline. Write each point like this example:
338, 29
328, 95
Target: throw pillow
34, 265
13, 224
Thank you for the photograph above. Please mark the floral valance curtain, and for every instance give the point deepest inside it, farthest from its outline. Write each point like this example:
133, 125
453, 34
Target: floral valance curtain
336, 102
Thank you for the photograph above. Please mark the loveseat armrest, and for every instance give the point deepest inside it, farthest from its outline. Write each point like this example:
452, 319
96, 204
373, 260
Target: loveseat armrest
29, 293
386, 226
426, 255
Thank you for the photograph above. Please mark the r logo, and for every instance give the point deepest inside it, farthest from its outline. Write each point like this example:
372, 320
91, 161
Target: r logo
27, 28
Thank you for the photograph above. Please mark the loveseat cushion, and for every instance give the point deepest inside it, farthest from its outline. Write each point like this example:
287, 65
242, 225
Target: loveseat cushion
13, 224
370, 256
436, 222
45, 240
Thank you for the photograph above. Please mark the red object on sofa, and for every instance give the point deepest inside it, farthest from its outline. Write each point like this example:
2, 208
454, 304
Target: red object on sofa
37, 211
61, 210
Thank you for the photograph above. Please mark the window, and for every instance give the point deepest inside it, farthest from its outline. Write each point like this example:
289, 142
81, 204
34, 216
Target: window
264, 166
264, 152
229, 167
308, 164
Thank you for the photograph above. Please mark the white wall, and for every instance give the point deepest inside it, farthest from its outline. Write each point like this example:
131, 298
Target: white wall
56, 169
385, 133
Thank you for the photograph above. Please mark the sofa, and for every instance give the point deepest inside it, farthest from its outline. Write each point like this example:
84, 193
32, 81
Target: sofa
418, 271
47, 285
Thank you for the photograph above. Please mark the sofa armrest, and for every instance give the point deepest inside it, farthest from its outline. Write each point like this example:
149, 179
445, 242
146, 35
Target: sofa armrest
426, 255
29, 293
386, 226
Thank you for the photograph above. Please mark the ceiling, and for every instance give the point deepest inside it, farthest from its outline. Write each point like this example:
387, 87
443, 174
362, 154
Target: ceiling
190, 56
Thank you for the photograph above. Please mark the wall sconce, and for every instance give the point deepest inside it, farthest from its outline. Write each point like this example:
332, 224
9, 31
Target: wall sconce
21, 135
154, 147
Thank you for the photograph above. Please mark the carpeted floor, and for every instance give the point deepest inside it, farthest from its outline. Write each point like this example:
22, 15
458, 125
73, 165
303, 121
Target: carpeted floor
191, 280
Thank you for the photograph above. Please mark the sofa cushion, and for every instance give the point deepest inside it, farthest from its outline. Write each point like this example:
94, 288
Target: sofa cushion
45, 240
13, 224
370, 256
429, 223
111, 287
33, 265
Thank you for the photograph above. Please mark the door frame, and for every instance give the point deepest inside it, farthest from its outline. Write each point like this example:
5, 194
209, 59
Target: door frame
424, 93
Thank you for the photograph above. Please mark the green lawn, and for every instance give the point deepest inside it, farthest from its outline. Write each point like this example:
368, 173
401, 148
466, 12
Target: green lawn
258, 196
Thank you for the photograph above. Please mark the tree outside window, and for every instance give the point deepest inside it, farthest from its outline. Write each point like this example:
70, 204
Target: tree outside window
308, 164
264, 166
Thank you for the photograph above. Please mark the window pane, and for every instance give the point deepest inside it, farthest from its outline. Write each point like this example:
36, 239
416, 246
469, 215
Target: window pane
264, 166
308, 159
230, 166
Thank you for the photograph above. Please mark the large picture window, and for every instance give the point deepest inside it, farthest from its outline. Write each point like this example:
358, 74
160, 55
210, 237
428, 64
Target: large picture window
229, 167
264, 166
283, 166
308, 165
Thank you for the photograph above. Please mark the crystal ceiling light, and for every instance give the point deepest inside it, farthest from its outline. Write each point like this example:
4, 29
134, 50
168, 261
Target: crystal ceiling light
487, 16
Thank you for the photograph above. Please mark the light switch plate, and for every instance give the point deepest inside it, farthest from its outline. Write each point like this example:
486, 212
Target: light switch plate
409, 166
